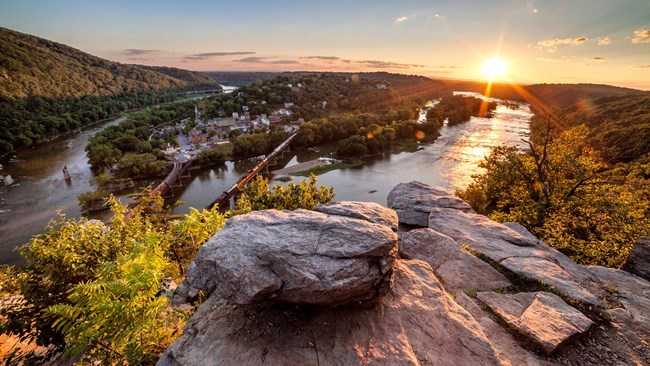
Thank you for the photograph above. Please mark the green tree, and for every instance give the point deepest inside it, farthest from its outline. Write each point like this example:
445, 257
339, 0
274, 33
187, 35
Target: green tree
93, 289
118, 316
306, 194
563, 193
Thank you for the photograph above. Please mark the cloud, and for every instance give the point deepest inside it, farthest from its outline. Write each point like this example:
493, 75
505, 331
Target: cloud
596, 59
262, 60
137, 52
401, 19
646, 66
604, 41
551, 45
252, 59
386, 64
206, 55
139, 59
284, 62
450, 67
327, 58
642, 36
554, 59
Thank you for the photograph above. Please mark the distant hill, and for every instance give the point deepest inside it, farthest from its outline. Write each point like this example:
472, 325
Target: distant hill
33, 66
409, 86
559, 96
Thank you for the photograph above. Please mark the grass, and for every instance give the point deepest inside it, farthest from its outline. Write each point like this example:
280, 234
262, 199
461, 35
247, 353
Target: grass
224, 148
329, 167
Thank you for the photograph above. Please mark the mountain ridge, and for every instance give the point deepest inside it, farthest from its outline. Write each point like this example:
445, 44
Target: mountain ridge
34, 66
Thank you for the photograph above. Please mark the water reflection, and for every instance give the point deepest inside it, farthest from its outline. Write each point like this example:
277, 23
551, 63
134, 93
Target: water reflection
448, 162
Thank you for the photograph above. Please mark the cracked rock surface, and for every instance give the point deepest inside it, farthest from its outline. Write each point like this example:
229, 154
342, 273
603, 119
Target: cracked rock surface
416, 323
300, 257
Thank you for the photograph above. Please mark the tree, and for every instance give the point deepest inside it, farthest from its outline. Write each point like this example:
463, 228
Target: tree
118, 316
94, 289
562, 192
354, 146
306, 195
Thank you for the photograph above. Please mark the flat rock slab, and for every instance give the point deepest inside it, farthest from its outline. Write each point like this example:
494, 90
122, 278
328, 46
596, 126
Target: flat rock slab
541, 316
456, 267
416, 323
369, 211
519, 252
302, 257
413, 202
502, 339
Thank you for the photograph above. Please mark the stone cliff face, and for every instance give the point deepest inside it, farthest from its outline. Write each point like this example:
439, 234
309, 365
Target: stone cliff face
342, 285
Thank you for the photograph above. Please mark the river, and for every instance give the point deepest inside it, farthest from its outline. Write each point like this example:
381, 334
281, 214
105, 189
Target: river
448, 162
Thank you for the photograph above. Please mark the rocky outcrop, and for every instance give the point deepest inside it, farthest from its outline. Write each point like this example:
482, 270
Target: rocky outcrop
291, 288
302, 257
530, 259
368, 211
638, 261
416, 323
630, 297
456, 267
413, 202
542, 316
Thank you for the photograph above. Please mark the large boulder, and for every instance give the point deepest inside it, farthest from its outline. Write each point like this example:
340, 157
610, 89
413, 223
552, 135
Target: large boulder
416, 323
542, 316
301, 257
638, 261
456, 267
413, 202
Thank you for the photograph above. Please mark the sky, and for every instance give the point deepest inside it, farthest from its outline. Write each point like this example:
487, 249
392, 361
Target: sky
540, 41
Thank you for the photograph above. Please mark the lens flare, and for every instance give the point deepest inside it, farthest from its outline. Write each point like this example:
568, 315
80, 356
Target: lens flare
494, 68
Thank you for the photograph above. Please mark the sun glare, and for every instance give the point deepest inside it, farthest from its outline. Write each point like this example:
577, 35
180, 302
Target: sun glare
494, 68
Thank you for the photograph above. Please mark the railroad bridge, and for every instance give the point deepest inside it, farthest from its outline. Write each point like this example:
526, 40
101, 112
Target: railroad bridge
226, 200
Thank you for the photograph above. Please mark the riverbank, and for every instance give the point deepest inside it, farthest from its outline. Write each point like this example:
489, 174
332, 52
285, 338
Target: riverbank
449, 162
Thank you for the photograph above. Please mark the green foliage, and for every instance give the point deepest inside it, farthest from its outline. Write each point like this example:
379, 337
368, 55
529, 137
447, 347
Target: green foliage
48, 89
214, 156
306, 195
89, 201
93, 289
619, 125
246, 146
133, 135
458, 109
351, 147
563, 193
141, 166
118, 316
44, 68
188, 234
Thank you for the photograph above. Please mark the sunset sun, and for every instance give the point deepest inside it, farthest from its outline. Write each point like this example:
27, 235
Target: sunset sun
494, 68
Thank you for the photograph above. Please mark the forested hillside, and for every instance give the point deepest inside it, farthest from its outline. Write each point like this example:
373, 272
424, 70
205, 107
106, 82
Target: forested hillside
33, 66
47, 88
559, 96
584, 185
